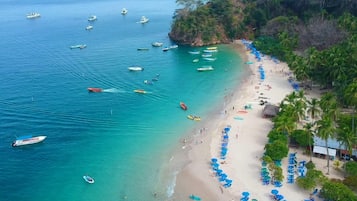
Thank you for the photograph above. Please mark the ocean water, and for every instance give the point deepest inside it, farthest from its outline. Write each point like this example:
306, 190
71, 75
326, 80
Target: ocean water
124, 140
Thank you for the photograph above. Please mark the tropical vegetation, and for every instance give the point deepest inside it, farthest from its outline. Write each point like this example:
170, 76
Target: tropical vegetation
318, 41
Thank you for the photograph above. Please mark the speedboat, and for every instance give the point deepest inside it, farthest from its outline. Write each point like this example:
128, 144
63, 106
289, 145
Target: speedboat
88, 179
165, 49
142, 49
124, 11
89, 27
33, 15
194, 52
183, 106
144, 20
205, 68
209, 59
195, 60
210, 51
92, 18
140, 91
211, 48
173, 46
148, 82
26, 140
157, 44
193, 117
95, 90
136, 68
78, 46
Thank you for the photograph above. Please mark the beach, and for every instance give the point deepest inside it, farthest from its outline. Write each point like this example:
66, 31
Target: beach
242, 114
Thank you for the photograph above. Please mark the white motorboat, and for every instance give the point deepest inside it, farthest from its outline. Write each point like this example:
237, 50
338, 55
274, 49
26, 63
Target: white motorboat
194, 52
157, 44
78, 46
209, 59
26, 140
124, 11
92, 18
88, 179
144, 20
33, 15
205, 68
173, 46
89, 27
135, 68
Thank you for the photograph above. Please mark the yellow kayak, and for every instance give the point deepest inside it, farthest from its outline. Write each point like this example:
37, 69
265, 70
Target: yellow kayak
193, 117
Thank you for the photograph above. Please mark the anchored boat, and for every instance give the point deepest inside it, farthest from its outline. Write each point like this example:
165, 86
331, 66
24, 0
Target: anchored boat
26, 140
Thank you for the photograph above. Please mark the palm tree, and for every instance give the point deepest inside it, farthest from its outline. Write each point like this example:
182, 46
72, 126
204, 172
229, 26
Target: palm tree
308, 129
326, 130
313, 108
350, 96
328, 104
346, 136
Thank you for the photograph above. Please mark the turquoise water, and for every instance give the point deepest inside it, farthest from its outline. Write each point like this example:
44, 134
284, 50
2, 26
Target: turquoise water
122, 139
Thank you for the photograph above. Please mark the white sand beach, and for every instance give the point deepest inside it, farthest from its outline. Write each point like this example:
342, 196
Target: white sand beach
247, 138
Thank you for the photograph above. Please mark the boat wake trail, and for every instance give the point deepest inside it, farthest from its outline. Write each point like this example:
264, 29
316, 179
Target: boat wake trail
112, 90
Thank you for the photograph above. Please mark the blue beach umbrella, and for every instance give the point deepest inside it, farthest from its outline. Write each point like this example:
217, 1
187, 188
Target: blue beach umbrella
274, 191
279, 197
245, 194
214, 160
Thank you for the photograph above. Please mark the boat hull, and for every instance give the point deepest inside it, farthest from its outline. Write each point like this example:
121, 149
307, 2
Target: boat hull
135, 68
88, 179
140, 91
183, 106
28, 141
94, 90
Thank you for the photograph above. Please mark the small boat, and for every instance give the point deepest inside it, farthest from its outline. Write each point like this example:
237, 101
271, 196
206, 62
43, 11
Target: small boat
135, 68
183, 106
33, 15
148, 82
124, 11
193, 117
205, 68
95, 90
143, 20
210, 51
89, 27
26, 140
165, 49
211, 48
140, 91
88, 179
92, 18
206, 55
194, 52
173, 46
142, 49
195, 60
78, 46
157, 44
209, 59
156, 78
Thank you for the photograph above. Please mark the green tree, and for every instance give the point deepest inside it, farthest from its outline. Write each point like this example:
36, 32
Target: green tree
326, 130
309, 136
276, 150
337, 191
311, 180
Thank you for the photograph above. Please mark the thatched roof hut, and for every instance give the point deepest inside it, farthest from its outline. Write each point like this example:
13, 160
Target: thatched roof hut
270, 110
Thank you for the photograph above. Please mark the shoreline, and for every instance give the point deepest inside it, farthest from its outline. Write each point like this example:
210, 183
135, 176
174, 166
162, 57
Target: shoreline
199, 152
247, 138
